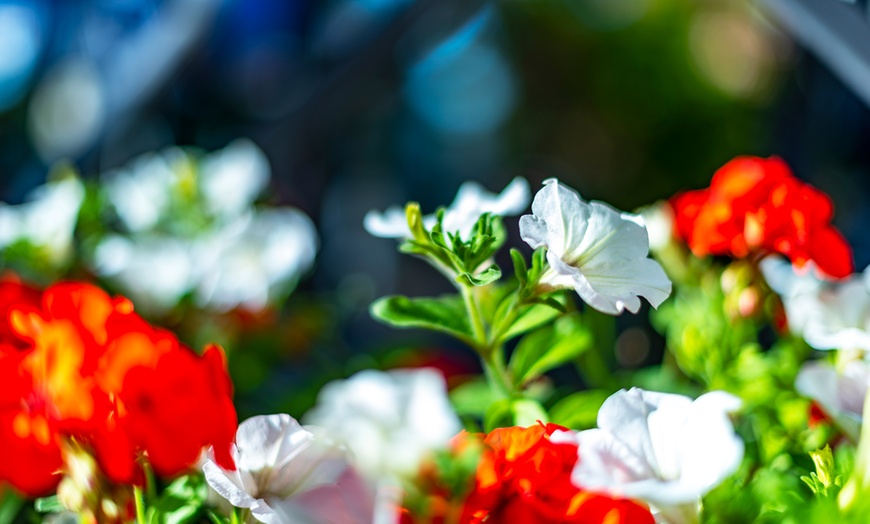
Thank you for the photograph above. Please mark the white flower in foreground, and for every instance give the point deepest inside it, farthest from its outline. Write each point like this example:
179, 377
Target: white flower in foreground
288, 473
594, 249
254, 259
47, 219
389, 420
828, 315
839, 392
471, 201
666, 450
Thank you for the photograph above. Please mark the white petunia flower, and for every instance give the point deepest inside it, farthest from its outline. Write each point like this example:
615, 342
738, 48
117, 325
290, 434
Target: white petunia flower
390, 420
290, 473
471, 201
659, 221
232, 178
141, 191
666, 450
839, 392
252, 260
155, 271
828, 315
47, 219
594, 249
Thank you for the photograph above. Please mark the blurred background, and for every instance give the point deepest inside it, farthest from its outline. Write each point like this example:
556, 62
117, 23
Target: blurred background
352, 105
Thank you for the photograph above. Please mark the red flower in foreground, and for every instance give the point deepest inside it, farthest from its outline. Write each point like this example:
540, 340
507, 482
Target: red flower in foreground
525, 477
756, 205
79, 367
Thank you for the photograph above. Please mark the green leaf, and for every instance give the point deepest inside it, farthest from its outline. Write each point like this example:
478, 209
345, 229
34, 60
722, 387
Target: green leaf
520, 268
579, 410
527, 411
550, 347
415, 220
181, 501
530, 317
552, 302
498, 415
445, 314
48, 505
472, 397
490, 275
514, 412
10, 506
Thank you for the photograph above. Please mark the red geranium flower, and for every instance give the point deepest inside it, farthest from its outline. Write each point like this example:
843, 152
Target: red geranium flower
78, 365
756, 206
525, 477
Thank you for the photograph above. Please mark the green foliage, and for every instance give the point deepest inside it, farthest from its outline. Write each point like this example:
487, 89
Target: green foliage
449, 252
181, 502
446, 314
48, 505
473, 397
579, 410
824, 481
549, 347
10, 506
514, 412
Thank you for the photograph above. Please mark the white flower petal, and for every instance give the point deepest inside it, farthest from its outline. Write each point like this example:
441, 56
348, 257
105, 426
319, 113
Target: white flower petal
232, 178
602, 251
289, 473
392, 223
664, 449
155, 271
228, 485
47, 219
840, 393
827, 315
471, 201
347, 500
254, 258
389, 420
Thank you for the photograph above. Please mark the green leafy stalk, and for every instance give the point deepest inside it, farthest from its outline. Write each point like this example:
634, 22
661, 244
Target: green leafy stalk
139, 499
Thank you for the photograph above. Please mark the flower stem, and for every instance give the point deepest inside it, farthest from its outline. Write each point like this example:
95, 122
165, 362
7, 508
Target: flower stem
477, 326
491, 355
139, 499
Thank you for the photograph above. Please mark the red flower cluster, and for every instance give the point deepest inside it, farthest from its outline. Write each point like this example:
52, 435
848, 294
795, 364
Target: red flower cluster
756, 205
78, 366
525, 477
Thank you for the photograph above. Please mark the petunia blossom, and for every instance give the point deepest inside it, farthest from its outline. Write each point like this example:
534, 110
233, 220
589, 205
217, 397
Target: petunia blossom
596, 250
838, 391
828, 315
46, 220
255, 259
471, 201
664, 449
290, 473
391, 421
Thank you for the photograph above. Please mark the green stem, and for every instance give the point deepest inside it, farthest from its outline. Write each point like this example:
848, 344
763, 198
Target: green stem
477, 325
496, 372
492, 355
139, 498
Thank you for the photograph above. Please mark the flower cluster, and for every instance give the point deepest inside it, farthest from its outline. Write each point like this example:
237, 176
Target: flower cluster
756, 206
82, 372
189, 226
